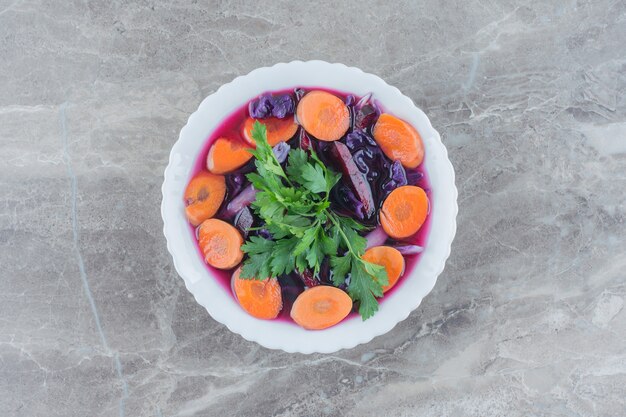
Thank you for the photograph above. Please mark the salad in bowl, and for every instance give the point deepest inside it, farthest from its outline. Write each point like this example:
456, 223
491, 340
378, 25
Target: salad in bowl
306, 212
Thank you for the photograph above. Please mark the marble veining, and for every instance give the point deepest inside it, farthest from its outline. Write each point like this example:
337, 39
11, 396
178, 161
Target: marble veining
528, 317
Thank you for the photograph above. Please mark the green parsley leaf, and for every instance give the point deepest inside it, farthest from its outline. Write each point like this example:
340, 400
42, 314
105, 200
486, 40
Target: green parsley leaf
297, 159
313, 178
295, 207
315, 255
306, 241
358, 242
363, 288
283, 260
256, 266
329, 245
380, 276
351, 223
257, 244
341, 267
301, 263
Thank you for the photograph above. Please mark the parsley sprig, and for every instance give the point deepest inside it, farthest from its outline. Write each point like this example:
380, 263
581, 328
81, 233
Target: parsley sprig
295, 207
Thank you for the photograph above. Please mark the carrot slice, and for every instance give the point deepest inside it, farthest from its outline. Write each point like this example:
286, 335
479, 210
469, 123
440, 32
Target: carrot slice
220, 243
390, 258
404, 211
278, 130
260, 298
399, 140
227, 155
323, 115
203, 196
321, 307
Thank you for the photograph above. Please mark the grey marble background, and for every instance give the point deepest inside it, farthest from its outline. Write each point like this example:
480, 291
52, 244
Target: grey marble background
528, 318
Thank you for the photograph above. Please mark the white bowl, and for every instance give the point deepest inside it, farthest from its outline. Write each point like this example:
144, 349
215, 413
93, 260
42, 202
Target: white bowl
218, 301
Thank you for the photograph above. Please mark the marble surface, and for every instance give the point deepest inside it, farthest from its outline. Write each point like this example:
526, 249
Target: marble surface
528, 318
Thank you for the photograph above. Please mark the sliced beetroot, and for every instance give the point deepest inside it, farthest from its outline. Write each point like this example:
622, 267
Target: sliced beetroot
355, 179
244, 221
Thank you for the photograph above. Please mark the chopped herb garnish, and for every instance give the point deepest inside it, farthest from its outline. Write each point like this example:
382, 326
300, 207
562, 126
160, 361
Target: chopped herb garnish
295, 207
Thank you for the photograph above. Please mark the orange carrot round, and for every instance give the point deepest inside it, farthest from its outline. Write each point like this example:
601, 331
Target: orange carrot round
321, 307
278, 130
323, 115
399, 140
220, 243
260, 298
404, 211
227, 155
388, 257
203, 196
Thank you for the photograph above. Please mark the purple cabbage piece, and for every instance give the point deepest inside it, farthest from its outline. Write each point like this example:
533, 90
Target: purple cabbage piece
372, 176
376, 237
281, 151
409, 249
241, 200
366, 112
369, 158
305, 141
358, 139
344, 196
267, 105
299, 92
248, 194
413, 176
398, 174
261, 107
366, 117
235, 183
283, 106
361, 160
364, 100
397, 177
244, 221
350, 99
